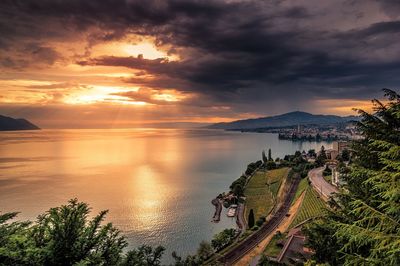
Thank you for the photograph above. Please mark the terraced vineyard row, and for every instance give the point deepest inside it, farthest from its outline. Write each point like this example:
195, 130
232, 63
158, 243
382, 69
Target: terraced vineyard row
262, 189
312, 206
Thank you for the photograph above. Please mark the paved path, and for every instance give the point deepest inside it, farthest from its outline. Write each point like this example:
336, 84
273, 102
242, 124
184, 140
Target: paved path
249, 243
320, 184
239, 218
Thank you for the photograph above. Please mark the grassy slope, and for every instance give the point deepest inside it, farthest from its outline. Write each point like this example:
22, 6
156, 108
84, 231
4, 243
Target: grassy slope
312, 206
272, 249
328, 178
261, 190
302, 187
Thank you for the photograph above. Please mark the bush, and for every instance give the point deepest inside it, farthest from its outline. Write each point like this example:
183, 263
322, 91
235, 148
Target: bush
270, 165
259, 222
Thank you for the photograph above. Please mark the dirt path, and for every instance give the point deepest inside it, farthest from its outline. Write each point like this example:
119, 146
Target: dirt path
283, 226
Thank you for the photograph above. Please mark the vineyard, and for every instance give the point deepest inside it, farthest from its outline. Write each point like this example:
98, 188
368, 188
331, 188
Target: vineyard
262, 189
300, 189
312, 206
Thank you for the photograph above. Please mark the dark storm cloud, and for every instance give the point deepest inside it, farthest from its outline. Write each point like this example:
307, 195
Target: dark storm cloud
233, 51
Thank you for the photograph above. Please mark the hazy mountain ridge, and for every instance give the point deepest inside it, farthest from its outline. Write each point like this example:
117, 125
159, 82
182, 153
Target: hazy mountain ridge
9, 123
283, 120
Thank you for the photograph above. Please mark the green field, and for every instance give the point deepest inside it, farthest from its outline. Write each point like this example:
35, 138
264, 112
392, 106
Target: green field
272, 249
303, 185
312, 206
261, 191
328, 178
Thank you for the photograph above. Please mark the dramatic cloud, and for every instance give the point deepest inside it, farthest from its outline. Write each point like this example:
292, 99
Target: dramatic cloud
240, 57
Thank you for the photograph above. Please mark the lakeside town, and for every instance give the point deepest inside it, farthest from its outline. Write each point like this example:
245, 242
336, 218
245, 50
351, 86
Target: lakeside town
312, 132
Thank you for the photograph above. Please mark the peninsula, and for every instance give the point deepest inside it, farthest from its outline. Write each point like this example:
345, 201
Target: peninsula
9, 123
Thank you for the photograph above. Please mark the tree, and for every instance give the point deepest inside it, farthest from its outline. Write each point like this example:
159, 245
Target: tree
238, 190
223, 238
66, 236
323, 241
311, 153
251, 218
16, 248
188, 261
205, 250
270, 155
264, 157
270, 165
321, 158
364, 223
144, 256
345, 155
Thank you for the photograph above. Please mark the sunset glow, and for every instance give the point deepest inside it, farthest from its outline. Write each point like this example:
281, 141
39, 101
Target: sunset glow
174, 66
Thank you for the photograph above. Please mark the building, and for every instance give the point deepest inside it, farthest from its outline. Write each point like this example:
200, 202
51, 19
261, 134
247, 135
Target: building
339, 146
294, 251
331, 154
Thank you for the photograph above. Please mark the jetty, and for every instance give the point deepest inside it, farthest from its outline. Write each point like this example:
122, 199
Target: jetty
218, 208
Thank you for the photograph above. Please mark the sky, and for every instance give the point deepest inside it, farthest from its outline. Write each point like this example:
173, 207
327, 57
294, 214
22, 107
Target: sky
123, 63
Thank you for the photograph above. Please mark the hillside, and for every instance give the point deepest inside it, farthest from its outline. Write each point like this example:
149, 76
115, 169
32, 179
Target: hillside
8, 123
288, 119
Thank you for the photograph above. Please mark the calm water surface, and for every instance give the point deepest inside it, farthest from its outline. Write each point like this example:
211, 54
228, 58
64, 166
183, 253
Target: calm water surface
156, 183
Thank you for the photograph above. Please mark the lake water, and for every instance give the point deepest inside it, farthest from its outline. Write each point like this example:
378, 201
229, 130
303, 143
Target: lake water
156, 183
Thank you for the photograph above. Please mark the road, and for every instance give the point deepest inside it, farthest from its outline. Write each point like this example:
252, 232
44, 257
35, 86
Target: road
320, 184
241, 249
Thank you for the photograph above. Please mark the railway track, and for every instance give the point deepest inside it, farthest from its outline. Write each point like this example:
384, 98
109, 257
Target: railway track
248, 244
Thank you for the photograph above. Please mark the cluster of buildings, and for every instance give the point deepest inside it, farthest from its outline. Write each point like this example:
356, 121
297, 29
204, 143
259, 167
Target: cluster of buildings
337, 132
337, 148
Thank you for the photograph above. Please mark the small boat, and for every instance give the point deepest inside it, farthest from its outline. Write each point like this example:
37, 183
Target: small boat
232, 210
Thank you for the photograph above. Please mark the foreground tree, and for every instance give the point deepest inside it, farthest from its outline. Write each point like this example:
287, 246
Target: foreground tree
16, 248
144, 256
364, 226
66, 236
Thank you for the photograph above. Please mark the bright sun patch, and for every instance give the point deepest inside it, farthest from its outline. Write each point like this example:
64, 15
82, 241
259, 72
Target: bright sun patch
98, 94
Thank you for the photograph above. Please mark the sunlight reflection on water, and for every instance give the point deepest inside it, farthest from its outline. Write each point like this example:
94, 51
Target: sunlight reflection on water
157, 184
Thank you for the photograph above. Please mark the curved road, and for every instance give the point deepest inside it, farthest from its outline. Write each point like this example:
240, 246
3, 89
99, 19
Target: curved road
320, 184
241, 249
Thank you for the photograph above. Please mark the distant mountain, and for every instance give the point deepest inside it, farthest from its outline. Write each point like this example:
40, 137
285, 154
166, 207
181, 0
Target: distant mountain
8, 123
284, 120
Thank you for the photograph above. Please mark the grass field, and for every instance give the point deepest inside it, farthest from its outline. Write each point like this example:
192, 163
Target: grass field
272, 249
261, 191
312, 206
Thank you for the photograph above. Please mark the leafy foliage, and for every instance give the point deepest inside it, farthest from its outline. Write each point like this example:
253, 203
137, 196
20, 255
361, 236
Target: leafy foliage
66, 236
222, 239
365, 226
